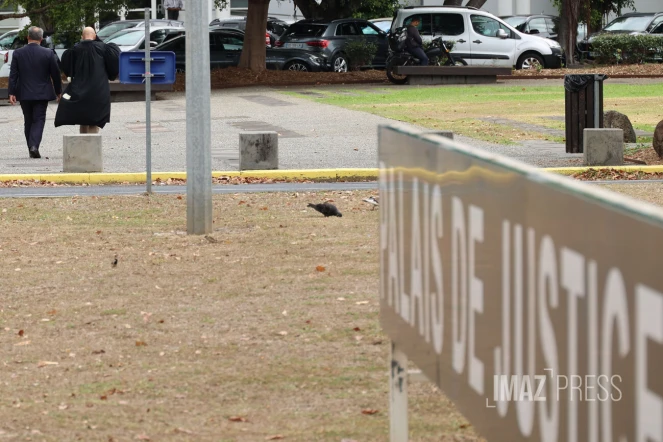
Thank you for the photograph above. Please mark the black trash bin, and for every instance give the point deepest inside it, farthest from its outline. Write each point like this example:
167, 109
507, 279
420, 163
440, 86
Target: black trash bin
584, 107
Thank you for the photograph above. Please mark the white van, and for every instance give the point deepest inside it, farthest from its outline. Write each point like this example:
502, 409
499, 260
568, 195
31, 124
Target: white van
482, 39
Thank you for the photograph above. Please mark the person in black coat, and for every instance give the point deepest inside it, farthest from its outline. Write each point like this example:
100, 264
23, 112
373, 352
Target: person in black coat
413, 43
90, 65
34, 81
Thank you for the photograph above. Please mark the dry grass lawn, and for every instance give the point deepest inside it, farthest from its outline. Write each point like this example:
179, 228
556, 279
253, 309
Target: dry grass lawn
267, 329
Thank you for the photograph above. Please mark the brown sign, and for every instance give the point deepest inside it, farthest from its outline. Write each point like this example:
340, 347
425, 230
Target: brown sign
533, 301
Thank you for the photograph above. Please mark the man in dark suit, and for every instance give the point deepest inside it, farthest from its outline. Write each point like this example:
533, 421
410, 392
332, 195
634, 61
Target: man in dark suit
34, 81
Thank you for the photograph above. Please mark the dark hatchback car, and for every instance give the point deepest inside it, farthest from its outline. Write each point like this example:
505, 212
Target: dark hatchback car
275, 27
328, 39
634, 23
541, 25
226, 48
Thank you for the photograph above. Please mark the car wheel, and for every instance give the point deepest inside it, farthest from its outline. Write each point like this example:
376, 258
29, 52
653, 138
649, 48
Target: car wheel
530, 60
340, 63
297, 66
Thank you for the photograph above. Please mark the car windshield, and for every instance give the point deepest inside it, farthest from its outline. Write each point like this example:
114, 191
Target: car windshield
633, 23
127, 38
111, 29
305, 30
515, 21
384, 25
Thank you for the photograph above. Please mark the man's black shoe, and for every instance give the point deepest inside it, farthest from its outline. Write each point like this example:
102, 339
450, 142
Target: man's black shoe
34, 152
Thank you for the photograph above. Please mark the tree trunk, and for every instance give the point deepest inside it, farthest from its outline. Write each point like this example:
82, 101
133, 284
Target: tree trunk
569, 28
253, 53
476, 3
453, 2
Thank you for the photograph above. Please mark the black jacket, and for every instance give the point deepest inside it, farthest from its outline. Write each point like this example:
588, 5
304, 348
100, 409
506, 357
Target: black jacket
34, 74
413, 38
86, 101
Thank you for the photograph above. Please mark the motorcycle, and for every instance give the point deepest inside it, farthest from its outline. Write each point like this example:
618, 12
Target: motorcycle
436, 52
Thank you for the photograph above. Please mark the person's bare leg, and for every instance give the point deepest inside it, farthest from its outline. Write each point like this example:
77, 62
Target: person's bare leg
89, 129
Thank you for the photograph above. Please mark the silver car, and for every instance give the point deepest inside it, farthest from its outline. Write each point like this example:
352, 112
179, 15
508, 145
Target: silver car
133, 39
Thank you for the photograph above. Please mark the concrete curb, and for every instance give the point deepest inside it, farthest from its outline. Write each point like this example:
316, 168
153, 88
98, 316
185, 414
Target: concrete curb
574, 170
283, 175
325, 175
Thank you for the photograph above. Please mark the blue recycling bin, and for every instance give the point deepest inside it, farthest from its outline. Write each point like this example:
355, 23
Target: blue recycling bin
162, 65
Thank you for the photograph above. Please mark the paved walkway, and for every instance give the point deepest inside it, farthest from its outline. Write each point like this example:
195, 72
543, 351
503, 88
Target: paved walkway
312, 135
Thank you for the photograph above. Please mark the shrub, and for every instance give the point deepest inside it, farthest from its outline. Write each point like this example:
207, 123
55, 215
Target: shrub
627, 49
360, 53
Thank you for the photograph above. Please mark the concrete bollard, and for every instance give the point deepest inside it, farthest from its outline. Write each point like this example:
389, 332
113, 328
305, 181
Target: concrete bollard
82, 153
258, 150
603, 147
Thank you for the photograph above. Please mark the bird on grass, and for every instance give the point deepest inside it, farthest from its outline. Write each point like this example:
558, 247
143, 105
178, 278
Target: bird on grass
326, 209
373, 200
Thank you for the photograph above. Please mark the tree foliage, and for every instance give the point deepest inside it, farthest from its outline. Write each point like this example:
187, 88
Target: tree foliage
368, 9
63, 15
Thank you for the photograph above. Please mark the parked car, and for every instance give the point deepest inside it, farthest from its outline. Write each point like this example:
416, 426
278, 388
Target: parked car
121, 25
382, 23
541, 25
7, 39
633, 23
226, 48
133, 39
6, 42
328, 39
275, 27
57, 42
481, 38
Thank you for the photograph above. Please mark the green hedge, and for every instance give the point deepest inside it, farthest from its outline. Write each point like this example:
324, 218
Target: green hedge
627, 49
360, 53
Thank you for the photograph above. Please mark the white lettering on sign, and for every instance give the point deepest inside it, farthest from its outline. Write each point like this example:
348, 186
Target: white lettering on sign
648, 405
433, 276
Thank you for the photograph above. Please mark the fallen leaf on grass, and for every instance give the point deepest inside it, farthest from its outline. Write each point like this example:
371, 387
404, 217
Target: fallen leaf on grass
52, 312
140, 344
179, 197
320, 268
237, 419
182, 430
142, 437
63, 406
21, 332
41, 364
369, 411
103, 398
356, 329
22, 343
283, 333
98, 352
361, 302
275, 437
